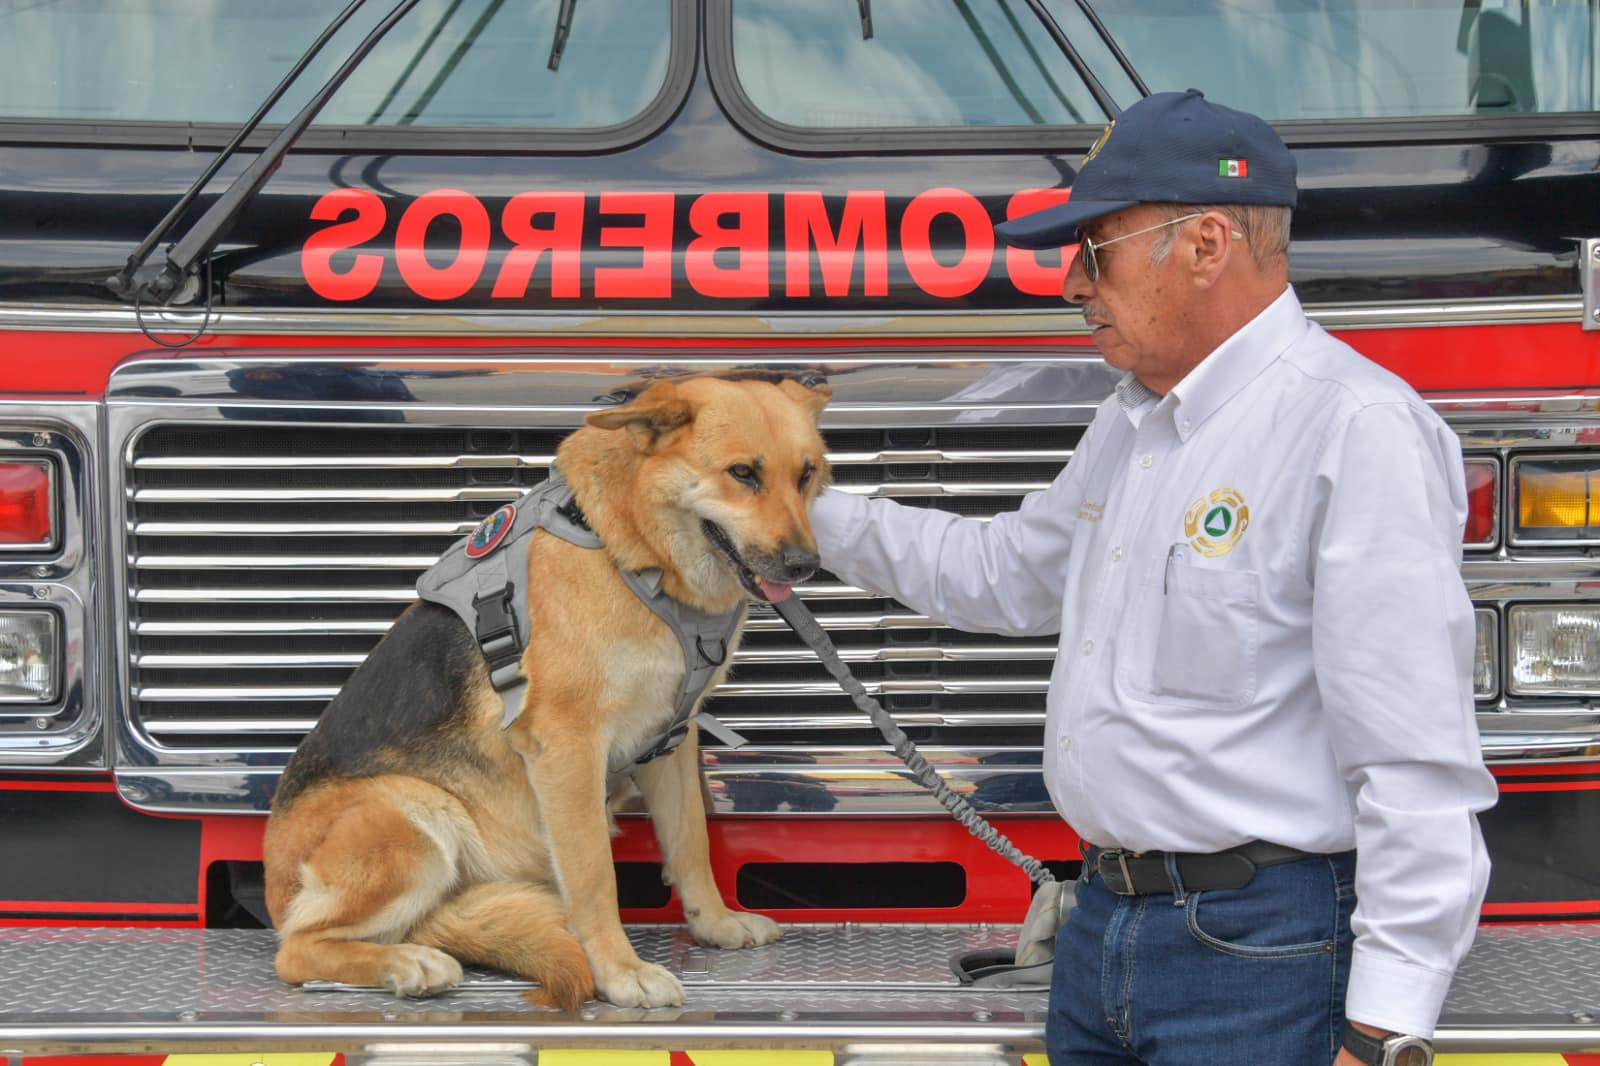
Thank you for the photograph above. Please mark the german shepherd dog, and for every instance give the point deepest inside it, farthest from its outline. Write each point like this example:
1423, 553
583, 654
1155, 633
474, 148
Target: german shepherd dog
411, 833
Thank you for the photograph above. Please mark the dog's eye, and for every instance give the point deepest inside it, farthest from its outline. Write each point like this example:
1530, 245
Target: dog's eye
745, 475
805, 477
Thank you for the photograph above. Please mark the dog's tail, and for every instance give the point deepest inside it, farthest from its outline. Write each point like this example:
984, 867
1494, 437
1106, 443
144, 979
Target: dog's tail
517, 927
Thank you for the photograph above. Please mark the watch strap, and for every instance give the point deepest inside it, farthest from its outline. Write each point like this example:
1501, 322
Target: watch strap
1369, 1049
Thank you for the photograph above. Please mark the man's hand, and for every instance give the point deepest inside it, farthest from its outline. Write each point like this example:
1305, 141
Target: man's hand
1347, 1059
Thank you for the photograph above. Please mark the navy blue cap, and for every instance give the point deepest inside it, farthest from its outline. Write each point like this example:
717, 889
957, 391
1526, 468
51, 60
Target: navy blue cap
1168, 148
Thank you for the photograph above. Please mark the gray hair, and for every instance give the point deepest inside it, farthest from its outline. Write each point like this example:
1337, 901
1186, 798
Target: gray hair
1265, 229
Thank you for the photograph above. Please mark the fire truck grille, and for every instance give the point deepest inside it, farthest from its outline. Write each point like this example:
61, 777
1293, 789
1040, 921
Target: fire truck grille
265, 562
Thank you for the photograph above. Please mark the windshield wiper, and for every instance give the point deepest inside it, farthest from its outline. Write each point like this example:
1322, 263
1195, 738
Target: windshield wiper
558, 45
140, 281
1090, 81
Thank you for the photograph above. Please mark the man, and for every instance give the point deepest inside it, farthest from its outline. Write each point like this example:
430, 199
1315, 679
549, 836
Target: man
1265, 659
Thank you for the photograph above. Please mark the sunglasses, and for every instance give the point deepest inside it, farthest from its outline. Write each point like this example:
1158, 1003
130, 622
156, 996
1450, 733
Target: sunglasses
1089, 250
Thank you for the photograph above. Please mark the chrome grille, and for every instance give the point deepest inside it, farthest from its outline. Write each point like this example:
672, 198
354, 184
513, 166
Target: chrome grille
264, 562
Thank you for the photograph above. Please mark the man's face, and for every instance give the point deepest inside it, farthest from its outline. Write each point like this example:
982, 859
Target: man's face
1139, 312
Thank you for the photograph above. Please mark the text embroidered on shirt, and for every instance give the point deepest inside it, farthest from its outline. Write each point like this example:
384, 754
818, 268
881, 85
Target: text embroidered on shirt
1214, 523
1091, 512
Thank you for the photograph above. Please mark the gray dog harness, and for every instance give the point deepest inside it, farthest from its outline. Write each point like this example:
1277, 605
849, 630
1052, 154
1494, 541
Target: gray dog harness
483, 577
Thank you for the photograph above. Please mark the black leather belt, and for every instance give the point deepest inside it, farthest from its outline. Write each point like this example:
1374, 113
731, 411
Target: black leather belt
1132, 873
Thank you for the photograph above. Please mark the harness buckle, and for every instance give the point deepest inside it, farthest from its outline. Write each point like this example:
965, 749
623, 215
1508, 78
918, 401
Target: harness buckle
665, 746
496, 629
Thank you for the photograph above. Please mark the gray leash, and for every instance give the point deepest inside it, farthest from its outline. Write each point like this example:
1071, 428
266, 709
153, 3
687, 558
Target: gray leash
805, 624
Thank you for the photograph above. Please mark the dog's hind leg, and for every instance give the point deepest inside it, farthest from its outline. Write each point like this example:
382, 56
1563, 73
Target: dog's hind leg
517, 927
373, 868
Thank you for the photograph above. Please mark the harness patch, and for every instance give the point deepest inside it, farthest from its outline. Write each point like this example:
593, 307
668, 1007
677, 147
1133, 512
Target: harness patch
491, 531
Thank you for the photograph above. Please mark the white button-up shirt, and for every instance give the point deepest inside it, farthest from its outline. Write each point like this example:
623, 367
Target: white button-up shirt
1264, 633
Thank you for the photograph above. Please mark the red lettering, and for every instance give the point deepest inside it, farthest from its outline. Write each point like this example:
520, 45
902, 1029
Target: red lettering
411, 242
1027, 273
316, 257
563, 239
746, 236
916, 242
862, 226
653, 236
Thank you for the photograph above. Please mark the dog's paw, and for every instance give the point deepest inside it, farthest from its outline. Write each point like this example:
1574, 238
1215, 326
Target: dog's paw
734, 929
645, 985
413, 970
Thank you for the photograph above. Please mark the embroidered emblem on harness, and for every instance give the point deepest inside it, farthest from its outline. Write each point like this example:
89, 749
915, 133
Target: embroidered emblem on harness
1215, 523
490, 532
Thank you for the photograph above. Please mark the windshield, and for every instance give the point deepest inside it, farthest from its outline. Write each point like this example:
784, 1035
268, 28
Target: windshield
969, 63
449, 63
1341, 59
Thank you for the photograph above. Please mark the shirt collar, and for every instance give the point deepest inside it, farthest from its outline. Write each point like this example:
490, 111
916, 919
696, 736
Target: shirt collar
1135, 398
1236, 362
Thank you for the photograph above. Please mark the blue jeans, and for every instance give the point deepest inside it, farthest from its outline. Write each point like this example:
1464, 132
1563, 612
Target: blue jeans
1250, 975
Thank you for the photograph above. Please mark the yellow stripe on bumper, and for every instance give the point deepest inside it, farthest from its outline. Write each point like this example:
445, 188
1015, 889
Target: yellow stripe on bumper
320, 1058
761, 1058
1543, 1058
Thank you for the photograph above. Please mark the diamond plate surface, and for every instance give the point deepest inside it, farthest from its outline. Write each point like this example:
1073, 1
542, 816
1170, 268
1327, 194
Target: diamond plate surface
888, 972
885, 971
1530, 970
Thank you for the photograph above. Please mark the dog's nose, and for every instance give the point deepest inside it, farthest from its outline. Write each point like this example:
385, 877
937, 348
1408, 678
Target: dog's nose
799, 564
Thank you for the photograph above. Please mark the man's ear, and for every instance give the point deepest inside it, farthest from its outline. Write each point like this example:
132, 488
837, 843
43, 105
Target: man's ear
813, 397
650, 418
1212, 244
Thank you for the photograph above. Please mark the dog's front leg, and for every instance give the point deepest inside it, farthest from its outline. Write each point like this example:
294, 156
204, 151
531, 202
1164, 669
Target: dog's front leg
671, 787
568, 774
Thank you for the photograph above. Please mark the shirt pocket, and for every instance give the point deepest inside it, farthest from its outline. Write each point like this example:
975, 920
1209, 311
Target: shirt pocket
1204, 652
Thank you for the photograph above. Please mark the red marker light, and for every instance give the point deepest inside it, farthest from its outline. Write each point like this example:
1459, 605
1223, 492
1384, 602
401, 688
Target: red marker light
1483, 511
26, 510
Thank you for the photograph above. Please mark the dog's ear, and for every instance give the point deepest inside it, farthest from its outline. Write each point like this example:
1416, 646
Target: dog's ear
813, 397
658, 411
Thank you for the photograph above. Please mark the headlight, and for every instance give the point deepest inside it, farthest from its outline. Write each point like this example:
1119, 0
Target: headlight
28, 657
1555, 651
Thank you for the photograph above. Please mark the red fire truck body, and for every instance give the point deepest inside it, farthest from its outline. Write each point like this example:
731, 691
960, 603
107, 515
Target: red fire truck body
213, 503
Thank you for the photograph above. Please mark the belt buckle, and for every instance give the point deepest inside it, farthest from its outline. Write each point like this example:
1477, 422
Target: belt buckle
1127, 888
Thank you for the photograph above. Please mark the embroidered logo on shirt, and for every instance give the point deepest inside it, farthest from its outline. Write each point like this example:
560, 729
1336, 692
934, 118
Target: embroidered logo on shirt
1091, 512
1215, 523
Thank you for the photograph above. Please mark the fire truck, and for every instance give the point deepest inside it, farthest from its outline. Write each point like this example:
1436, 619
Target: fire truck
429, 237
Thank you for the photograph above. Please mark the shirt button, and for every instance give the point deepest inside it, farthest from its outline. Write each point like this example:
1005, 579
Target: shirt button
1187, 425
1088, 647
1065, 744
1116, 554
1147, 460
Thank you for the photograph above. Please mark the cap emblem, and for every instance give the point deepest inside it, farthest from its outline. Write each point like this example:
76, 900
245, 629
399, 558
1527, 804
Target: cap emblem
1105, 135
1233, 168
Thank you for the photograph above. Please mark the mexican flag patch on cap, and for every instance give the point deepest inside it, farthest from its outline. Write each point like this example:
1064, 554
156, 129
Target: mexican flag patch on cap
1233, 168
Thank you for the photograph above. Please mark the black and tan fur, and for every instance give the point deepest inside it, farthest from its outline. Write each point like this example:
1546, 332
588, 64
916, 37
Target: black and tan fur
411, 833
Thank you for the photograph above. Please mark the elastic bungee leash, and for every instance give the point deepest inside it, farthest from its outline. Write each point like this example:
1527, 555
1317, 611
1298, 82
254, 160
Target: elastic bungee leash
1030, 966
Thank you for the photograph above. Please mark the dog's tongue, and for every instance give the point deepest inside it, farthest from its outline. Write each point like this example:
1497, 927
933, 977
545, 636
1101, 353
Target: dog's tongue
774, 592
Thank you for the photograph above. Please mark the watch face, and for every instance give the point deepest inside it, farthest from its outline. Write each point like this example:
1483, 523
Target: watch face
1413, 1055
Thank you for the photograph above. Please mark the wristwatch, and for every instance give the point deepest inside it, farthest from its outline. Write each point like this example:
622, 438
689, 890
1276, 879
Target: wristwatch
1395, 1050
